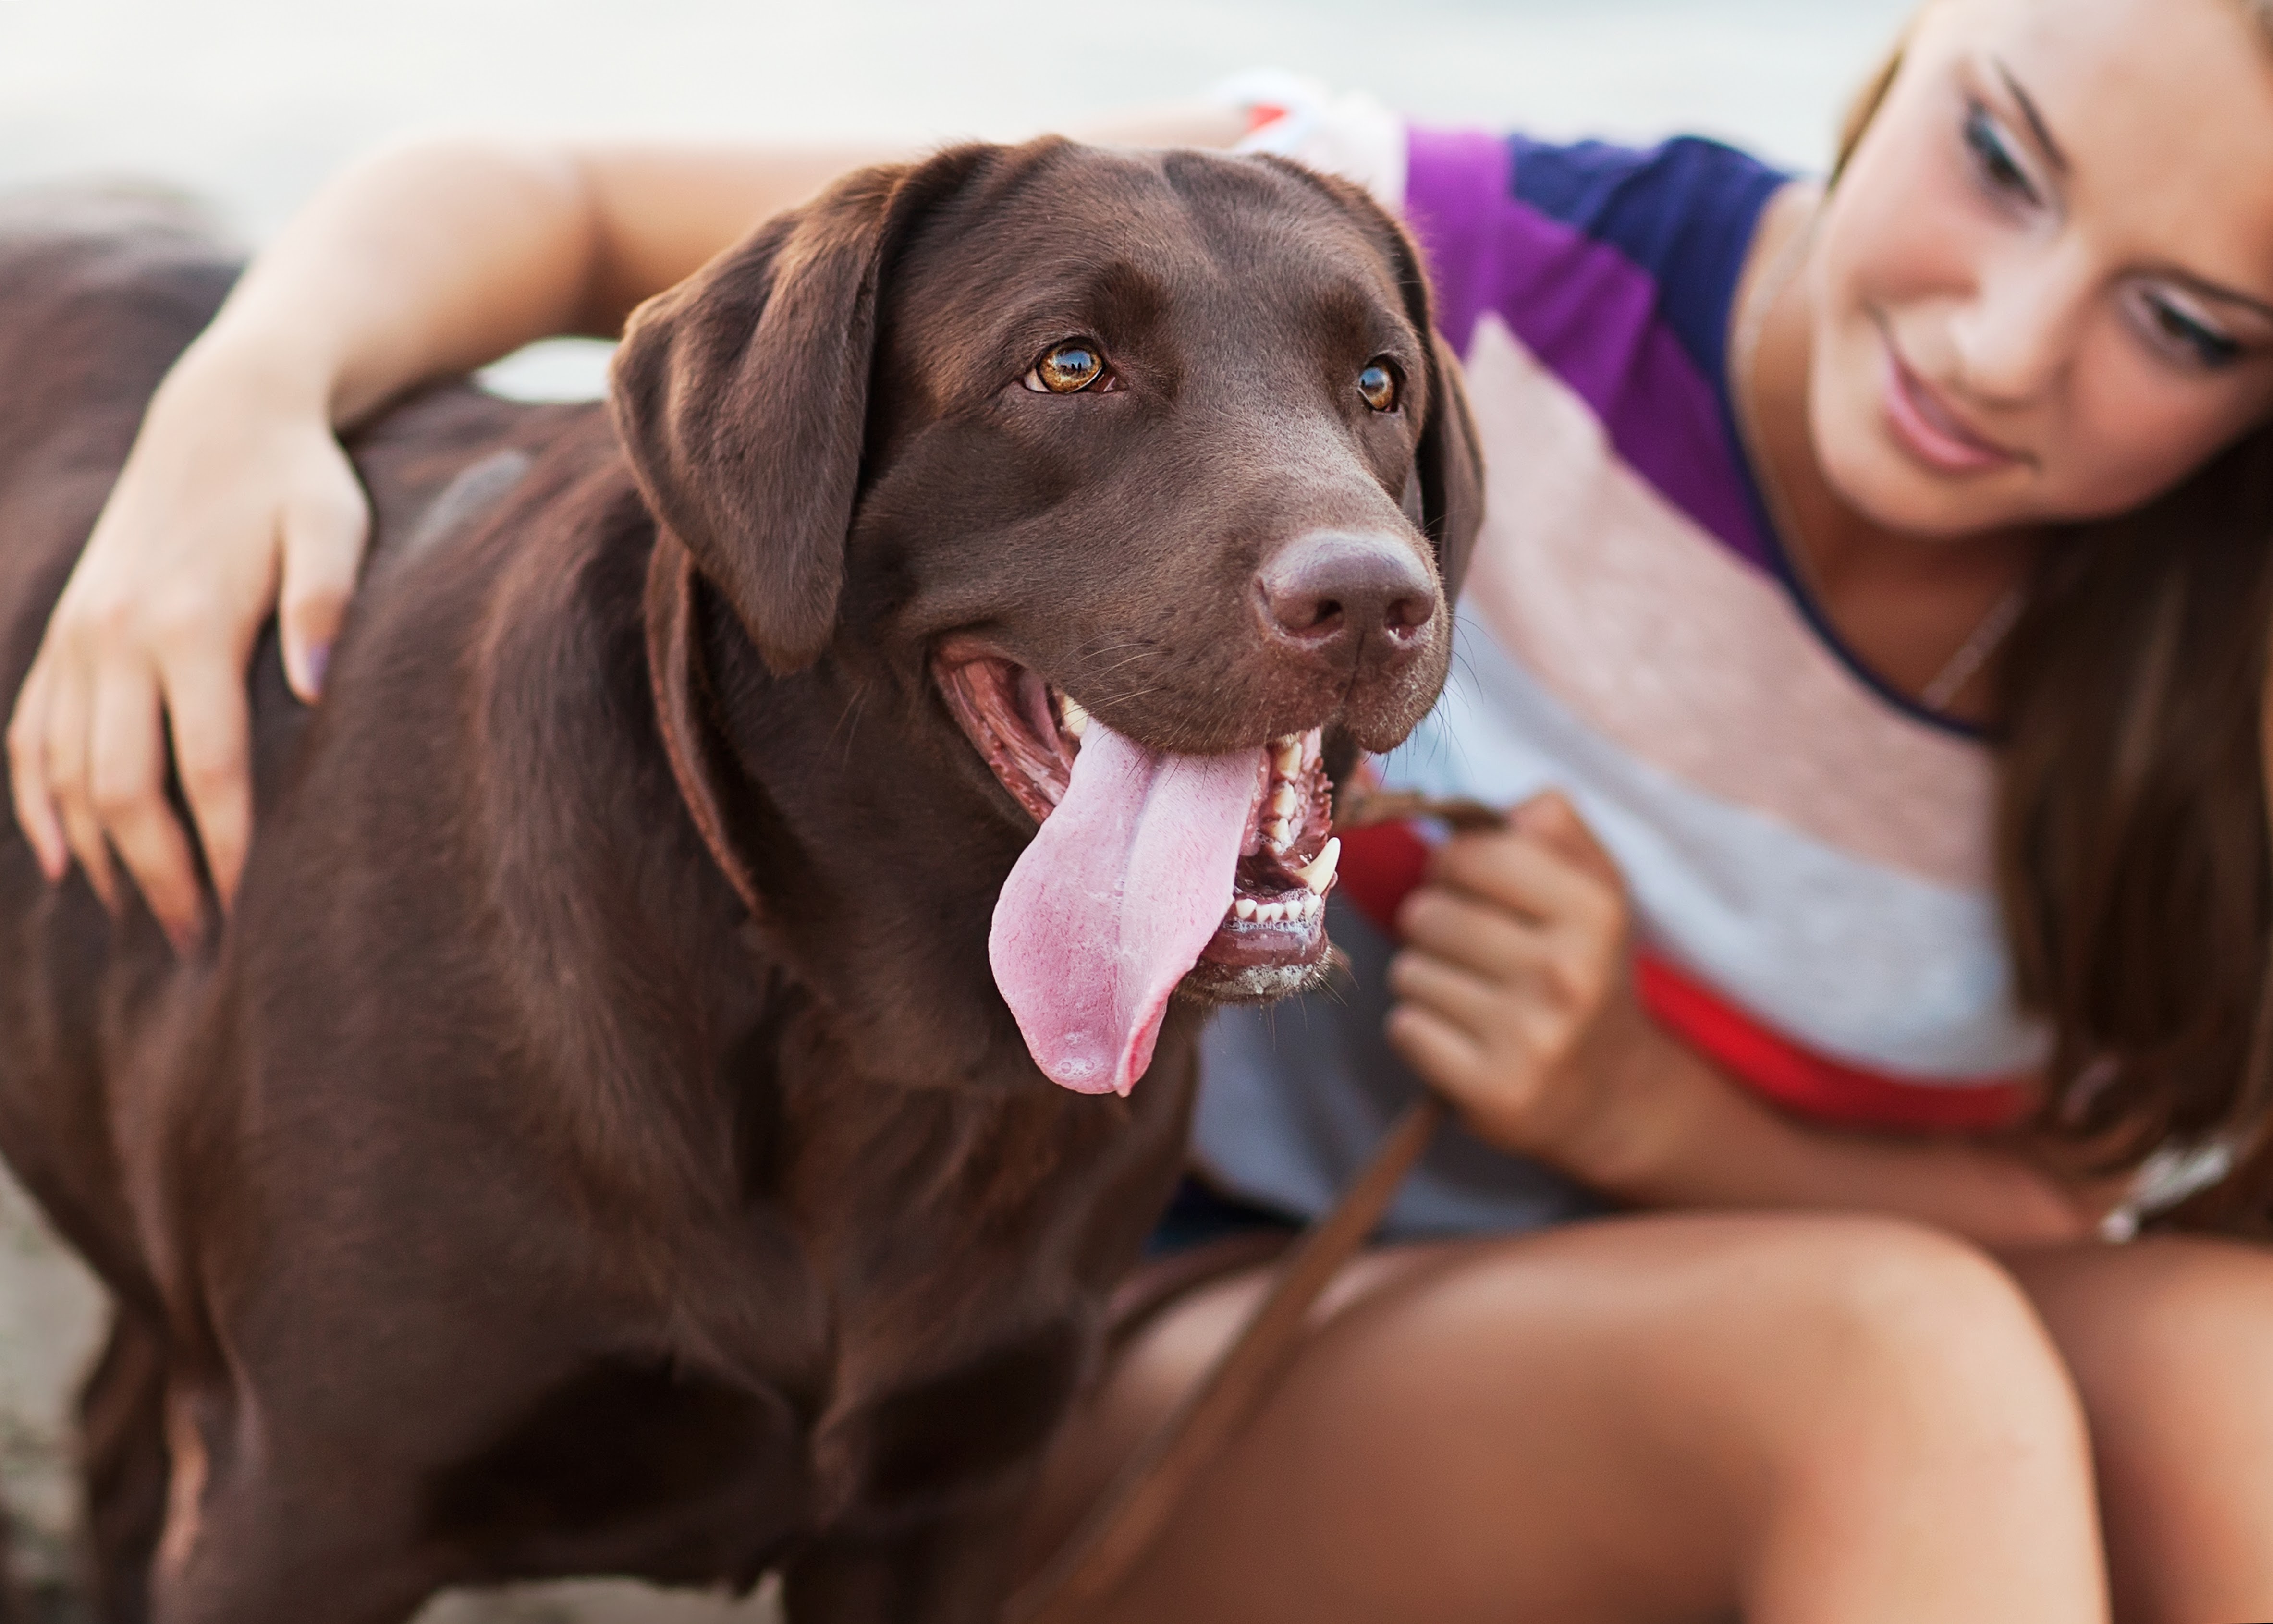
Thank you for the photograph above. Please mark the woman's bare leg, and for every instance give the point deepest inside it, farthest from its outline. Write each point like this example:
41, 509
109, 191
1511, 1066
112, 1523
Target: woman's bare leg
1827, 1420
2171, 1345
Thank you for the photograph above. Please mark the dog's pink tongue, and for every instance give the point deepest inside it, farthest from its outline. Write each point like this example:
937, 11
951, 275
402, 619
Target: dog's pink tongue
1111, 904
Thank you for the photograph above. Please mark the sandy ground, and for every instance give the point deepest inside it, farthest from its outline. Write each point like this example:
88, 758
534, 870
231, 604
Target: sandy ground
251, 102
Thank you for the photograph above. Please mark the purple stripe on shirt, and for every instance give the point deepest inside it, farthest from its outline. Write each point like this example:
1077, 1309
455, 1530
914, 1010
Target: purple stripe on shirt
1589, 315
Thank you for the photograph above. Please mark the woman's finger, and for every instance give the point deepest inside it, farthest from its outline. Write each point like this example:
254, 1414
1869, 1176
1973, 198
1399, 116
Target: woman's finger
127, 785
1517, 872
27, 776
1439, 1052
1550, 820
1480, 936
1466, 999
324, 541
71, 723
211, 719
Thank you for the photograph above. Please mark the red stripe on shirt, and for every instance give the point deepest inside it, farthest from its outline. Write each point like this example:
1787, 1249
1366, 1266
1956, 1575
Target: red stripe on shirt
1383, 865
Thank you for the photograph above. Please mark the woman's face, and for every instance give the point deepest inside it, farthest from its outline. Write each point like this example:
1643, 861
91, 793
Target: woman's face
2043, 289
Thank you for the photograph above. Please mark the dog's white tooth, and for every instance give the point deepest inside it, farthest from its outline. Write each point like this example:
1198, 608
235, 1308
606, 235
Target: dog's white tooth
1318, 873
1313, 904
1076, 719
1272, 913
1244, 907
1276, 834
1287, 757
1283, 802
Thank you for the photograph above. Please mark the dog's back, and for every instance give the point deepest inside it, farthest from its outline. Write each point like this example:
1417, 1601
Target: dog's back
427, 1035
99, 293
187, 1122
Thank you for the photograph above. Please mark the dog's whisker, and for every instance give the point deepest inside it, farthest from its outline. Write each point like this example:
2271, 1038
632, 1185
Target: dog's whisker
849, 720
1122, 665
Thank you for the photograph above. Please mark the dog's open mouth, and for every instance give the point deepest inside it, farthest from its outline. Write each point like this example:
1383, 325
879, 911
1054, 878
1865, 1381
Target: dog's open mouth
1152, 870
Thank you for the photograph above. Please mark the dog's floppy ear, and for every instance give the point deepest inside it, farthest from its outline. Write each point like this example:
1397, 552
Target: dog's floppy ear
1452, 468
742, 396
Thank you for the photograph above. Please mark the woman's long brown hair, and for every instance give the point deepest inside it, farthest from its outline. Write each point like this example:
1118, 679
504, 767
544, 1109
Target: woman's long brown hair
2133, 854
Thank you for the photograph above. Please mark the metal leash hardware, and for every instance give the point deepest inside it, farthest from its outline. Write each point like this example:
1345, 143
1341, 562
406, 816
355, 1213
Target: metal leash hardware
1128, 1519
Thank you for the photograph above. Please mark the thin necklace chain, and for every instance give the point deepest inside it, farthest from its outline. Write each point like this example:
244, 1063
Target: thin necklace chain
1989, 634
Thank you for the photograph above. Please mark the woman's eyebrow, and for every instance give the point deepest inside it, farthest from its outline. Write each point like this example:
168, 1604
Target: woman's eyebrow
2202, 287
2036, 125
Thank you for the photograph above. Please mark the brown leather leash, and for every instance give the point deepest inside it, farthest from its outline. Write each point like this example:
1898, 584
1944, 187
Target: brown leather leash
1110, 1543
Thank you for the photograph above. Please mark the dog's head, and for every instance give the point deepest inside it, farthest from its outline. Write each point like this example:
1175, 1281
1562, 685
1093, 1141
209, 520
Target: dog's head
1145, 470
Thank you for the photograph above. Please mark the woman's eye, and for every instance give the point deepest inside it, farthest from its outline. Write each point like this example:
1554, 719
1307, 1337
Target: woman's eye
2204, 344
1069, 368
1993, 157
1378, 384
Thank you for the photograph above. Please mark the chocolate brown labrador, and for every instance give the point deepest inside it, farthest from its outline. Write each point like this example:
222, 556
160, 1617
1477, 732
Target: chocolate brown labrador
616, 1131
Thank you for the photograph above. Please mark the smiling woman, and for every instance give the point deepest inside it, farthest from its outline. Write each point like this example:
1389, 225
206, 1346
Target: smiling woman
2042, 319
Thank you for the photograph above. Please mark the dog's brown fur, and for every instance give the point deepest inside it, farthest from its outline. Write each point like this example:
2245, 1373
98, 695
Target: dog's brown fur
500, 1197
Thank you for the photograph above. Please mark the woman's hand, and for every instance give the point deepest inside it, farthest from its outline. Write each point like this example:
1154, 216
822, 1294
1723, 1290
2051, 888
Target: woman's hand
237, 500
1516, 1002
1515, 991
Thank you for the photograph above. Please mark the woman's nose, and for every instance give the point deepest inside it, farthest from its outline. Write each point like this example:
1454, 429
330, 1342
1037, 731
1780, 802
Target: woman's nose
2015, 337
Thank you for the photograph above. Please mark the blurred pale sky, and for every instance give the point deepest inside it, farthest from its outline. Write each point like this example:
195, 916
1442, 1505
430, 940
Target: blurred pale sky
252, 102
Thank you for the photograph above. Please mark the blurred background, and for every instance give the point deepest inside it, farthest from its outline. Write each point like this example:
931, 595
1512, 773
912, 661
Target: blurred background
254, 100
251, 102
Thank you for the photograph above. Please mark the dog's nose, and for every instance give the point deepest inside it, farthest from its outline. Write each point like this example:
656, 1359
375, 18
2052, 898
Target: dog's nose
1332, 587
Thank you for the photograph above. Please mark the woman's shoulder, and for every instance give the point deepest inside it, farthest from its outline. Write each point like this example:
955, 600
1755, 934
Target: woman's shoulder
1583, 250
1581, 237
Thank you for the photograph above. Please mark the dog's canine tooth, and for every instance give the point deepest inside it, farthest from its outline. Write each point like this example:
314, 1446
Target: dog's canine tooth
1244, 907
1318, 873
1076, 719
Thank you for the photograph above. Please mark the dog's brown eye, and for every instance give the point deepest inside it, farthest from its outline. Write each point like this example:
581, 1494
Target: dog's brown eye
1069, 368
1378, 384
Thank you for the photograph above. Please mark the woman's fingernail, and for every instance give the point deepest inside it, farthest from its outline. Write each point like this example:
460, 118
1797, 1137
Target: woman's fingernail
319, 661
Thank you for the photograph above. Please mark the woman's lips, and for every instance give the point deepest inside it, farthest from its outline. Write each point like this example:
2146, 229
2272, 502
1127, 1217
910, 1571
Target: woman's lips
1930, 431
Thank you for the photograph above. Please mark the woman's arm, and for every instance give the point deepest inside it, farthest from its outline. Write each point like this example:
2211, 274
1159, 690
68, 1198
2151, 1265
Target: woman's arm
425, 261
1691, 1138
440, 257
1516, 1002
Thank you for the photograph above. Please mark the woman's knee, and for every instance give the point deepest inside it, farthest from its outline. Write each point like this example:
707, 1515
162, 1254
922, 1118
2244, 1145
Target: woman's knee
1896, 1313
2166, 1338
2165, 1318
1795, 1326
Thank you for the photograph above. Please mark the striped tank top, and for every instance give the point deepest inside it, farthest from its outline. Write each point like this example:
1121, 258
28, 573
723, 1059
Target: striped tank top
1807, 851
